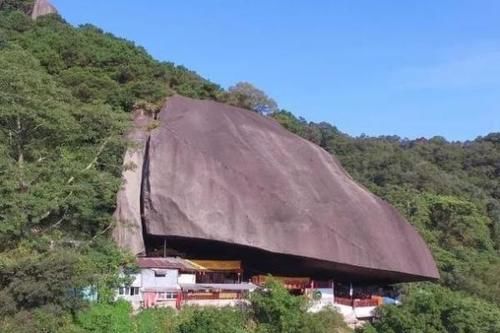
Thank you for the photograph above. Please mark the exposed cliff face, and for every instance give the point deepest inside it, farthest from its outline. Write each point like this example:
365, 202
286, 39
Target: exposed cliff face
220, 173
41, 8
128, 230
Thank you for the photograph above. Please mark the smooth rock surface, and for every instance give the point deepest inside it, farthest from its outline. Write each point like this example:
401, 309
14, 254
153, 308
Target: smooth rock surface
222, 173
41, 8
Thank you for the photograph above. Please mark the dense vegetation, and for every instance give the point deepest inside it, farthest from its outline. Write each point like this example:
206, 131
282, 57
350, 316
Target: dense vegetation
272, 311
65, 99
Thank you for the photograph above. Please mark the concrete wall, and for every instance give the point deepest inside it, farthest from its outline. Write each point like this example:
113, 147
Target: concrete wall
166, 304
325, 300
137, 280
135, 300
187, 278
216, 302
326, 294
147, 279
169, 281
364, 312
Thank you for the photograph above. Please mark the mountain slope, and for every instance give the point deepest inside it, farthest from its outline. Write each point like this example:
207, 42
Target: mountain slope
65, 101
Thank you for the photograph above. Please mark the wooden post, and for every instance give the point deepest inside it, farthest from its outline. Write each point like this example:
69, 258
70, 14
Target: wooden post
351, 294
333, 292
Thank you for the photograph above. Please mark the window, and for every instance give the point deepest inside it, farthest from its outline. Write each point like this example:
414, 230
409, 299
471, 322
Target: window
128, 291
160, 272
167, 295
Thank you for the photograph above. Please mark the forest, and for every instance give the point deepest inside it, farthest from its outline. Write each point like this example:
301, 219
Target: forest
66, 96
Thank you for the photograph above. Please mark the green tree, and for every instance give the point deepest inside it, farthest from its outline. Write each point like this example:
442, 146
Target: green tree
277, 311
24, 6
107, 318
436, 309
245, 95
212, 320
47, 184
157, 320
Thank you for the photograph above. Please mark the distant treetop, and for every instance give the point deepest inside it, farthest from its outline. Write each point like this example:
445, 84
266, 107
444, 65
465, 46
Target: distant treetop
247, 96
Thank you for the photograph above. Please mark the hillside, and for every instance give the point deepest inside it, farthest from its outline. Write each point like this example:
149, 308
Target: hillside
66, 96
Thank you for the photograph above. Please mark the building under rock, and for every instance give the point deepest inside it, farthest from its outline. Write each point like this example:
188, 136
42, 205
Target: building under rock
207, 180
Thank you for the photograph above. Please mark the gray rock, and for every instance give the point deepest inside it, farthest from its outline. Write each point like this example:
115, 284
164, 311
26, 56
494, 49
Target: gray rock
128, 230
226, 174
41, 8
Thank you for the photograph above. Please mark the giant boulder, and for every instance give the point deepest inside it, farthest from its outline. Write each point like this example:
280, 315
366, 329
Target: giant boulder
217, 172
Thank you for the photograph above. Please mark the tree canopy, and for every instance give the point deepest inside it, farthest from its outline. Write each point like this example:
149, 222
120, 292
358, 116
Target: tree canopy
245, 95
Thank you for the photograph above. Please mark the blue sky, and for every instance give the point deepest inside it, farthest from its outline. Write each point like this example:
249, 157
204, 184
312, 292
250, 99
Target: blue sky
410, 68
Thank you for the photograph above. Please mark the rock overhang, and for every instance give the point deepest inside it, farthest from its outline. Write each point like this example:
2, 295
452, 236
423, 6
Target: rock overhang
224, 174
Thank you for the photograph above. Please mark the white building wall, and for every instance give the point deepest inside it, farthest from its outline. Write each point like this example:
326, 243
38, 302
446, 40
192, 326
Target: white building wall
364, 311
217, 302
135, 300
169, 281
326, 295
187, 278
327, 299
146, 279
137, 282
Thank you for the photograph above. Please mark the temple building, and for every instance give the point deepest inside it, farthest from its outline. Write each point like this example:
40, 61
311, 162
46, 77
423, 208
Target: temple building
175, 282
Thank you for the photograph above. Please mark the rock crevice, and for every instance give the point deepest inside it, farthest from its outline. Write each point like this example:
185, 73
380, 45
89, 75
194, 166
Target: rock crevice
128, 231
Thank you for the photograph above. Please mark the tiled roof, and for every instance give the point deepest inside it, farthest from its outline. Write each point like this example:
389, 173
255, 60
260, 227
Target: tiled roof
166, 263
217, 265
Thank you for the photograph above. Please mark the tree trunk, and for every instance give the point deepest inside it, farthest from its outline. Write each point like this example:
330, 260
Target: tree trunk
20, 155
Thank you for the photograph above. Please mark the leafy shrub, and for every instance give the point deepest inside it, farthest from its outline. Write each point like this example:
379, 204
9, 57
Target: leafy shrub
276, 311
156, 320
107, 318
212, 320
437, 309
48, 319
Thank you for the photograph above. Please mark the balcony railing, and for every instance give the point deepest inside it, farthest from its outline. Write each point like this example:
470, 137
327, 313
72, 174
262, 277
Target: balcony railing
356, 302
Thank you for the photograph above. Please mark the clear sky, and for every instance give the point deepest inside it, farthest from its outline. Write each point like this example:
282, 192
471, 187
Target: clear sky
410, 68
